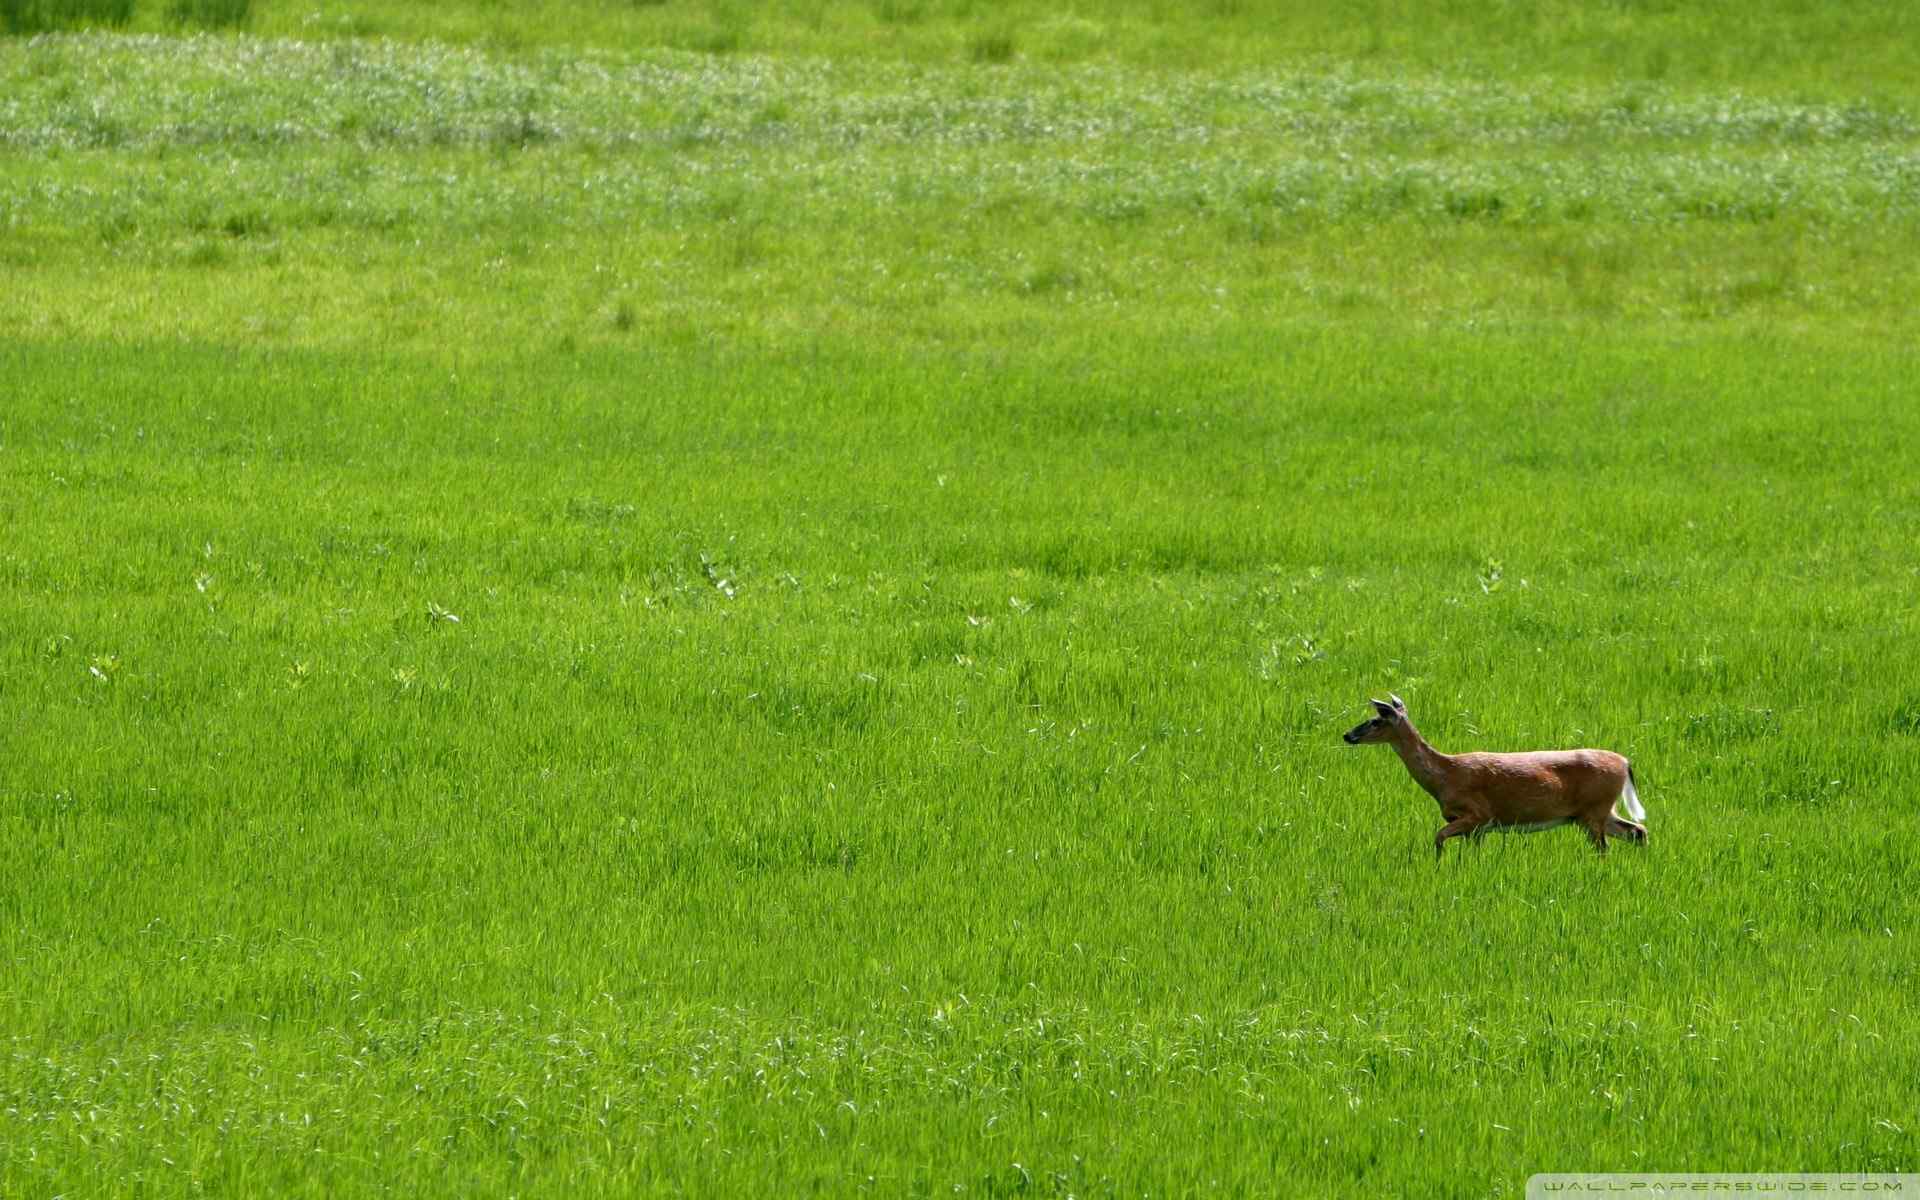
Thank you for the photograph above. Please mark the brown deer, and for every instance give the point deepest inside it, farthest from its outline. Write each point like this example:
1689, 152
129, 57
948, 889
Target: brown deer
1534, 790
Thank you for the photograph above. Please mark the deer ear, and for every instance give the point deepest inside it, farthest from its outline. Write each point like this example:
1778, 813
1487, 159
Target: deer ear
1385, 709
1399, 705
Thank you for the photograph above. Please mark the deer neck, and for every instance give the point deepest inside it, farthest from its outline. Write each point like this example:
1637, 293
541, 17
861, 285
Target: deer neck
1429, 768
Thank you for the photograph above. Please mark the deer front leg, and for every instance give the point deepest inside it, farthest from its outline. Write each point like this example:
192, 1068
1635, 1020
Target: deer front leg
1453, 828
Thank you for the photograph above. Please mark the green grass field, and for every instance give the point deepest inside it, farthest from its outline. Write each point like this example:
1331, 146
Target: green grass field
643, 599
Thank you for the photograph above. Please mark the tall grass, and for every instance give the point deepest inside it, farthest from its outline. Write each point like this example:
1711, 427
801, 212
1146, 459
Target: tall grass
584, 766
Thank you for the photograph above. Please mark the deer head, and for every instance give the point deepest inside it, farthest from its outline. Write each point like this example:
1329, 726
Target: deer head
1381, 727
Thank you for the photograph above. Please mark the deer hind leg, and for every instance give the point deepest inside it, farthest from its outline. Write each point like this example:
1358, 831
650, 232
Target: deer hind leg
1597, 831
1620, 827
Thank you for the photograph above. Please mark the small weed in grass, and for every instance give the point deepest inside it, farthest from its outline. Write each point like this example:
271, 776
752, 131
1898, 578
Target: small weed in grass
44, 16
1050, 278
992, 47
210, 14
900, 12
206, 253
1475, 205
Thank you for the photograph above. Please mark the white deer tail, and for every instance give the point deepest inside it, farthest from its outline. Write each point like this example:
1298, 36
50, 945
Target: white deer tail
1632, 797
